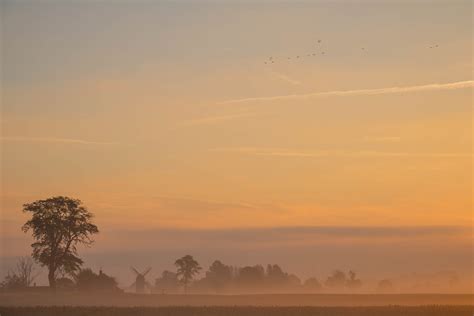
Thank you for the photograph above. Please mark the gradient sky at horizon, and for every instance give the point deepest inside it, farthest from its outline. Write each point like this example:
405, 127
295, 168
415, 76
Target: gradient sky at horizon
161, 114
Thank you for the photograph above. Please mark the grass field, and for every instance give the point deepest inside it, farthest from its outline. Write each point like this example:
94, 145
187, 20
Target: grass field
240, 311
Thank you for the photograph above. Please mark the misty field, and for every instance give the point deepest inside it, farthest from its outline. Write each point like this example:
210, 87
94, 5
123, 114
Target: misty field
238, 311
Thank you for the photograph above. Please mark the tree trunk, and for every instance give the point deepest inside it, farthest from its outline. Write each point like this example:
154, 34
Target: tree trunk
52, 279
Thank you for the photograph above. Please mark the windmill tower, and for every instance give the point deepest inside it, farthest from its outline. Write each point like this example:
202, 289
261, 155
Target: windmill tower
140, 284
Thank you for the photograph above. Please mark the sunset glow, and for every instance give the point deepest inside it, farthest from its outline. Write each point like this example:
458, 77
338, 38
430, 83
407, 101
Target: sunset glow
211, 128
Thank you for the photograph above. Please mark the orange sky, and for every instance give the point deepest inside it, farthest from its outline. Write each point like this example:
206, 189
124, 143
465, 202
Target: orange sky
161, 115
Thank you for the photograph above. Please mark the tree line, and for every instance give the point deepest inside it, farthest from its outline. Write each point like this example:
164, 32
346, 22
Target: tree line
222, 278
60, 224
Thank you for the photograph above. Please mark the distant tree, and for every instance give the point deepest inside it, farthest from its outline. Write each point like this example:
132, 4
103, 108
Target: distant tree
275, 275
218, 276
59, 224
25, 268
88, 280
337, 279
312, 285
385, 286
22, 276
251, 277
167, 282
187, 269
353, 283
12, 282
279, 280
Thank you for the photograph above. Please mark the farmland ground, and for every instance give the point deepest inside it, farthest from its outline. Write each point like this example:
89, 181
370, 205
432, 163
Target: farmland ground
241, 311
158, 300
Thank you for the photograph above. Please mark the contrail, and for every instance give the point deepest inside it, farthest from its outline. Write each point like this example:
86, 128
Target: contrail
337, 153
390, 90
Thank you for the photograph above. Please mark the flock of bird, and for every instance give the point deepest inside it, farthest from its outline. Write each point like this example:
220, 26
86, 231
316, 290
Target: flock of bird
271, 60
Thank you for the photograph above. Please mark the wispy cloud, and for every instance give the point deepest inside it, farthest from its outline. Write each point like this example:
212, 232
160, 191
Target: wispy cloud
336, 153
377, 91
209, 120
285, 78
53, 140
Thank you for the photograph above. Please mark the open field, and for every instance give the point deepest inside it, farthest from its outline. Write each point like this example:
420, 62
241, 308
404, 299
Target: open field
157, 300
241, 310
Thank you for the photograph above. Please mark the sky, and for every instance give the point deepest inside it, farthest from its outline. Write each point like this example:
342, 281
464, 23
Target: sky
171, 123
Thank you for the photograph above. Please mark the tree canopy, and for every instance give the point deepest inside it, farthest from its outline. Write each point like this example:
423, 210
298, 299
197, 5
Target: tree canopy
58, 225
187, 269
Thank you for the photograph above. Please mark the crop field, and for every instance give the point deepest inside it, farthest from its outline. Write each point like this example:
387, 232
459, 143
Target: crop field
240, 311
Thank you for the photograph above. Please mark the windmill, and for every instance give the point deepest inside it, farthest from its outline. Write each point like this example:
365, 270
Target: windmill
140, 284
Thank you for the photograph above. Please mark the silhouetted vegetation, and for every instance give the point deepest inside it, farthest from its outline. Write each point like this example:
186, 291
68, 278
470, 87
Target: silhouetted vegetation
22, 276
219, 276
338, 280
187, 269
87, 280
221, 279
59, 224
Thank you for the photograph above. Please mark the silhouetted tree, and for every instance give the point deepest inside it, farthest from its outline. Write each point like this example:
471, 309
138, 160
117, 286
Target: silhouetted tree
251, 277
277, 279
187, 269
353, 283
12, 282
337, 279
88, 280
218, 276
275, 275
59, 224
22, 276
